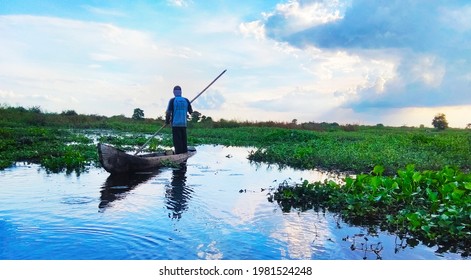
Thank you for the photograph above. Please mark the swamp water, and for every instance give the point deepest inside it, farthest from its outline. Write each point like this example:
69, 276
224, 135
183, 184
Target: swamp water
216, 208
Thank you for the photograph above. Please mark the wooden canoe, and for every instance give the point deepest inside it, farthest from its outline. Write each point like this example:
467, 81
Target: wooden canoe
117, 161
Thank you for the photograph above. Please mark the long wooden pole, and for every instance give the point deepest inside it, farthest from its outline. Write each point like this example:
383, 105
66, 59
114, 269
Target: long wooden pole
208, 86
199, 94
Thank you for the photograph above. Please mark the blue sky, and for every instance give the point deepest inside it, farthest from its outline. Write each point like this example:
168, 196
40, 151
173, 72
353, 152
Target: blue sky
393, 62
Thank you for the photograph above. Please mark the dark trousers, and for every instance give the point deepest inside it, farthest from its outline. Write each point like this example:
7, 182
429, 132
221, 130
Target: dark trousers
179, 140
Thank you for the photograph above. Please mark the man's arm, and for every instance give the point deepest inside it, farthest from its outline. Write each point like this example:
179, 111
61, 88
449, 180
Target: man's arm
190, 109
169, 112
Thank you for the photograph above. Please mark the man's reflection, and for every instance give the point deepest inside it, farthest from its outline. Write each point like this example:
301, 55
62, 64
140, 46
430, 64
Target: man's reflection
178, 193
117, 185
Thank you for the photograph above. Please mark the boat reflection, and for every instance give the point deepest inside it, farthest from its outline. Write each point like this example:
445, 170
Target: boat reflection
117, 185
178, 193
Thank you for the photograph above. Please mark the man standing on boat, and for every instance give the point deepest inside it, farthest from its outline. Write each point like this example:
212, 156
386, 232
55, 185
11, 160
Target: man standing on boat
177, 112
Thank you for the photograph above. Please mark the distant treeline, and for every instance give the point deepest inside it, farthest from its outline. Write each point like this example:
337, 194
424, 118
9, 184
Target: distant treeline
34, 116
12, 116
70, 118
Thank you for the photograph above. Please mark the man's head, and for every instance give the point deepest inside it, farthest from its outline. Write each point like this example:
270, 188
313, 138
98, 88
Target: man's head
177, 91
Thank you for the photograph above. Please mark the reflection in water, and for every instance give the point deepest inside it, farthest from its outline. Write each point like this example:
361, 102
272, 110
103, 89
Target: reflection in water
178, 193
117, 185
44, 216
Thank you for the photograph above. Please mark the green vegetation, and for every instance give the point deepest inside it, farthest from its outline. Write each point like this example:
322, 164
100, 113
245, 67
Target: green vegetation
440, 122
138, 114
431, 206
52, 139
428, 200
361, 150
59, 142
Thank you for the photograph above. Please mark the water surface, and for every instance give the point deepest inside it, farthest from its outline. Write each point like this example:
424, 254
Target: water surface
215, 208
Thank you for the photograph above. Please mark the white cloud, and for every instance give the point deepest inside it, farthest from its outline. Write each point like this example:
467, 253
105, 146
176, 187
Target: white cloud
421, 51
428, 70
58, 60
295, 16
179, 3
345, 76
7, 94
253, 28
302, 15
104, 12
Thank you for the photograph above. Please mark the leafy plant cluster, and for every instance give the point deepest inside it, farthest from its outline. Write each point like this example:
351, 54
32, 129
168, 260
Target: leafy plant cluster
55, 149
359, 151
432, 206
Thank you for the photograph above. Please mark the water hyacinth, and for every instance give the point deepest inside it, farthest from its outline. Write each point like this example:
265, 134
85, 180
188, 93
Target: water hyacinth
432, 206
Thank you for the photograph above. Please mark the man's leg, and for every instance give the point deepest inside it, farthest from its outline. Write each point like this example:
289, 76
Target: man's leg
176, 139
184, 147
179, 140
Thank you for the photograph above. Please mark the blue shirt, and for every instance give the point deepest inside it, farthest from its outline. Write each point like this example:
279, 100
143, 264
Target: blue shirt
177, 110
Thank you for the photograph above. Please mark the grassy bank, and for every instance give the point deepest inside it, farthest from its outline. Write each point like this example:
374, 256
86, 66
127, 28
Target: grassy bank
361, 150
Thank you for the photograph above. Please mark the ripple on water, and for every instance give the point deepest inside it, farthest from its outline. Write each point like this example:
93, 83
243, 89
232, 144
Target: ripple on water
91, 241
77, 200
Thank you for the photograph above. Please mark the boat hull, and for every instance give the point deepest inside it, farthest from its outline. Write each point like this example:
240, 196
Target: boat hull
117, 161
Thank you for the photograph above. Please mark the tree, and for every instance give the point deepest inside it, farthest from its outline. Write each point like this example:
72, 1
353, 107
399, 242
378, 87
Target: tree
138, 114
69, 113
195, 116
439, 122
35, 109
206, 119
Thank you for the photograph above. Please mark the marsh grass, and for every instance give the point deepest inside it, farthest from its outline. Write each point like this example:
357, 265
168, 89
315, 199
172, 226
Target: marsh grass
47, 138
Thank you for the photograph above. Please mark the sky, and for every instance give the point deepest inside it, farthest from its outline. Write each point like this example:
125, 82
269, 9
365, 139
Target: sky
366, 62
